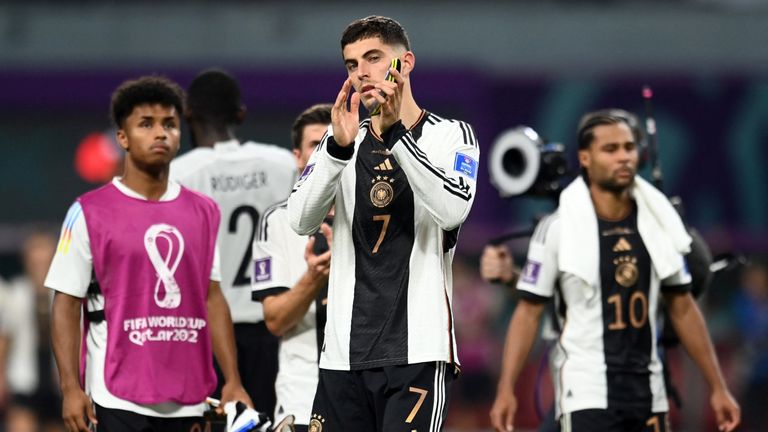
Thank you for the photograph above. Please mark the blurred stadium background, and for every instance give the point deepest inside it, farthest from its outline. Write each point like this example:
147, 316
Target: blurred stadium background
494, 64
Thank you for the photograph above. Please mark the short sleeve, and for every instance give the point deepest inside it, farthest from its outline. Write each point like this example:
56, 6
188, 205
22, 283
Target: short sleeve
72, 264
539, 276
679, 282
271, 273
216, 267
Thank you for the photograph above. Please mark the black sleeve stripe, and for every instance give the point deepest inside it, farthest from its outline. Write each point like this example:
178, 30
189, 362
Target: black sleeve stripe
447, 181
472, 135
262, 235
322, 141
531, 297
460, 184
464, 197
469, 134
464, 133
435, 118
262, 294
677, 289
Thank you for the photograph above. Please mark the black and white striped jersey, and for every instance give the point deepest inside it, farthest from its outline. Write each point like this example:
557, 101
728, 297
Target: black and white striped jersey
606, 356
400, 200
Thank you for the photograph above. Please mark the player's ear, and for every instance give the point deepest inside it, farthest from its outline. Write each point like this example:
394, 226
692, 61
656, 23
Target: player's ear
122, 139
408, 62
584, 158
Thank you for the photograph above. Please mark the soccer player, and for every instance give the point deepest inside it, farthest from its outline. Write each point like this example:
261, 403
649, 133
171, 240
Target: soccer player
244, 179
402, 182
142, 250
291, 280
612, 249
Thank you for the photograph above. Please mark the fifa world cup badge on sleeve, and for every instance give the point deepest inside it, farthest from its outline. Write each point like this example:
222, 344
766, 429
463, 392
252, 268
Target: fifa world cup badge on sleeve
465, 165
531, 272
307, 171
262, 269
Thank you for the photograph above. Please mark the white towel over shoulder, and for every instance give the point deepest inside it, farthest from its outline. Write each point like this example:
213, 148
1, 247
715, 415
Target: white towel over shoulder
658, 223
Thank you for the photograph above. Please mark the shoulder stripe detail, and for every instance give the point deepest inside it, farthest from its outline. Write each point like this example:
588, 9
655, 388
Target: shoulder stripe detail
323, 140
65, 241
262, 235
458, 187
469, 134
540, 233
434, 119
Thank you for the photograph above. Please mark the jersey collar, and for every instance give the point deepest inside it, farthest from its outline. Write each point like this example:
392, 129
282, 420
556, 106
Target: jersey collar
171, 193
226, 146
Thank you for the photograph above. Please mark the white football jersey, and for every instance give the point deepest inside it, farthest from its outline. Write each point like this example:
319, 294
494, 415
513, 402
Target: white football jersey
606, 356
400, 200
244, 180
278, 256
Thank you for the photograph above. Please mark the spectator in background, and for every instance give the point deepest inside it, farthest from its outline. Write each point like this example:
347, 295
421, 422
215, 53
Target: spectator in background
751, 313
34, 402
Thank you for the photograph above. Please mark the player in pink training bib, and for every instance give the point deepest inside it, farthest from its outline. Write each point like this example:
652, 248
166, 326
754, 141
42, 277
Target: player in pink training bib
140, 253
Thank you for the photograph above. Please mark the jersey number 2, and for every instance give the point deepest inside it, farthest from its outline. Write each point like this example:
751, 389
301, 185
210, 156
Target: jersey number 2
241, 277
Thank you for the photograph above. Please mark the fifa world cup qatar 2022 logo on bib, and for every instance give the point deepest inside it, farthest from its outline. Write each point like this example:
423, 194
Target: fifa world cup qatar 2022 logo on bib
169, 239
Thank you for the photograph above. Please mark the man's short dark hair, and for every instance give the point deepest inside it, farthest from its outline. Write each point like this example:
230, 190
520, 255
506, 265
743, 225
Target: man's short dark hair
145, 90
316, 114
388, 30
214, 96
585, 134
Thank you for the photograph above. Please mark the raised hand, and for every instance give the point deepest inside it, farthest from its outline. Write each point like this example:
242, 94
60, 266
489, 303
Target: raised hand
345, 121
390, 96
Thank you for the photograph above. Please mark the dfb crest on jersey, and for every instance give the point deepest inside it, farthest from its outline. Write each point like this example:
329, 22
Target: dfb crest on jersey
382, 192
626, 270
316, 423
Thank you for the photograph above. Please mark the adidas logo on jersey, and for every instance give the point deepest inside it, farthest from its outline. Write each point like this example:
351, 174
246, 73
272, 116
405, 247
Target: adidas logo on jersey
384, 166
622, 245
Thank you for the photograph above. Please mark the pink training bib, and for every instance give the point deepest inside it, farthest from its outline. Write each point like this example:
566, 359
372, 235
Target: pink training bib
153, 262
